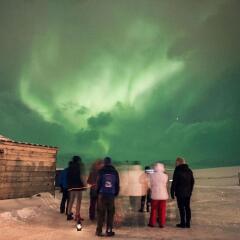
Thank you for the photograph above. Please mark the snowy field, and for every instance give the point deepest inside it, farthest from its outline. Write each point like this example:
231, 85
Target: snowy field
216, 215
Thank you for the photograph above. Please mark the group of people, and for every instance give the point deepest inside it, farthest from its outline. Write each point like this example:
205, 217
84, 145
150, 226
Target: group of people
157, 194
104, 183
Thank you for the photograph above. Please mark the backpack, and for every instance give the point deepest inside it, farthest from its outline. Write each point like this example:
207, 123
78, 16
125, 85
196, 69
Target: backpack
108, 186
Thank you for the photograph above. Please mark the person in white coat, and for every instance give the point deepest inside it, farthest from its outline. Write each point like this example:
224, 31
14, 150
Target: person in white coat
159, 195
137, 185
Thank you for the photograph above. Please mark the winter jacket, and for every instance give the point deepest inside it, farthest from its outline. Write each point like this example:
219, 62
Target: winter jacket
135, 182
74, 177
92, 178
183, 181
108, 170
158, 183
63, 179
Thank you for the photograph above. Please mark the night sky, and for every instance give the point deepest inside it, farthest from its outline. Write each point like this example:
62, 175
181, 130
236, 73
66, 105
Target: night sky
143, 80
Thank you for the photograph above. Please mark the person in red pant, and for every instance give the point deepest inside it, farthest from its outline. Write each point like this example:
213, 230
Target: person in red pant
158, 184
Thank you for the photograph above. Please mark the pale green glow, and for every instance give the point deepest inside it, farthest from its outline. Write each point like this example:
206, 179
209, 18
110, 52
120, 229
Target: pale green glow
34, 102
97, 88
139, 80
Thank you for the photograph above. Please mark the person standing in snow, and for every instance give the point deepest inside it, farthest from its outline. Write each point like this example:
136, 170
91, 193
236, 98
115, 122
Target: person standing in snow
107, 189
136, 185
182, 187
64, 189
75, 187
159, 195
92, 180
146, 198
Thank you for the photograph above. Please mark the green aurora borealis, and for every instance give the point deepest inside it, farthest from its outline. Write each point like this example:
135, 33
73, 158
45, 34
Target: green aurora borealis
140, 80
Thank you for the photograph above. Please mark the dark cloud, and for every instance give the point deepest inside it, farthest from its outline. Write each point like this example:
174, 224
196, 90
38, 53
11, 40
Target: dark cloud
101, 120
137, 80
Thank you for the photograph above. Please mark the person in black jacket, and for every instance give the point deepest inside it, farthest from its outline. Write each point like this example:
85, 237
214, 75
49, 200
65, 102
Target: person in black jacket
107, 190
75, 186
182, 187
64, 189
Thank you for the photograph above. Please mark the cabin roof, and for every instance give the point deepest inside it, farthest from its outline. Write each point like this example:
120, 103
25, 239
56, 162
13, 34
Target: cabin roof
5, 139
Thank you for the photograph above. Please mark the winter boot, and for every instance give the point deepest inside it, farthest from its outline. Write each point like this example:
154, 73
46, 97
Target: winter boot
69, 217
188, 225
99, 234
78, 218
180, 225
110, 233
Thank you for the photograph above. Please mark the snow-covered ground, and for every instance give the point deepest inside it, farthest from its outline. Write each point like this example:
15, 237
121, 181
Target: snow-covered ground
216, 215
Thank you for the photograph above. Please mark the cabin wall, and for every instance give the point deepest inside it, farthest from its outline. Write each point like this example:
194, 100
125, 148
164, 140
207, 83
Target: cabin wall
26, 170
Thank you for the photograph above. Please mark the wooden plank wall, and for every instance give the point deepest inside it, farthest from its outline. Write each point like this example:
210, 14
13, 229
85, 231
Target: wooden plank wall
26, 170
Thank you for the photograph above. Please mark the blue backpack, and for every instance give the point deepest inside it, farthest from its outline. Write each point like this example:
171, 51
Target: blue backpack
108, 184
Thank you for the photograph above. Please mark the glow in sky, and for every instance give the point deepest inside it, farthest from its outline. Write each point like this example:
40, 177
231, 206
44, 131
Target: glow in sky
137, 80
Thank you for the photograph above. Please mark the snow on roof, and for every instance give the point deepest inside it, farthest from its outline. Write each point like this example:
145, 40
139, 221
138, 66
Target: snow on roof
2, 138
5, 139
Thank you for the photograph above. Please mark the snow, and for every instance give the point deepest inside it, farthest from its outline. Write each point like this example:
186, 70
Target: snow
216, 215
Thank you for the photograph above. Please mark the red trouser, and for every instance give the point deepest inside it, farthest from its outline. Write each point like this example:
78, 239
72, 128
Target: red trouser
160, 207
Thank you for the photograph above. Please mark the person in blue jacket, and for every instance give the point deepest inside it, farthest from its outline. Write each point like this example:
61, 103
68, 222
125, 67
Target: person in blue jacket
107, 190
64, 189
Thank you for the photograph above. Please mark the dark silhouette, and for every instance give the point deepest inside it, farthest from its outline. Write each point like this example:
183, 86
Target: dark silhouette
146, 198
75, 186
64, 189
182, 187
107, 189
92, 180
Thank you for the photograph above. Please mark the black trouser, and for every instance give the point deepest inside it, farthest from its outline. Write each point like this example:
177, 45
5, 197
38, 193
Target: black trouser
143, 200
184, 210
105, 206
93, 201
65, 198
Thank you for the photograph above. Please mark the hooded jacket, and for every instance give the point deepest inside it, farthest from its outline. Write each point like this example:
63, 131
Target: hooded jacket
134, 182
63, 179
158, 183
74, 177
183, 181
108, 170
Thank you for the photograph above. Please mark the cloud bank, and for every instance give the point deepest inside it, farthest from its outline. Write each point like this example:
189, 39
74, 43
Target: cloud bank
136, 80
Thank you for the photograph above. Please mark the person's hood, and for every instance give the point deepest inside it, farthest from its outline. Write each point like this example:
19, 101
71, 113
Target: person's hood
183, 167
107, 168
159, 167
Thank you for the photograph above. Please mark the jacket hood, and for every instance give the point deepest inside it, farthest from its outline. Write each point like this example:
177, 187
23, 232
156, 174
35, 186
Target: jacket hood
183, 166
159, 167
108, 168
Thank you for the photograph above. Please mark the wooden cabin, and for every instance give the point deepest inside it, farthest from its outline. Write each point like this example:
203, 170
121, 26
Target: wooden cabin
26, 169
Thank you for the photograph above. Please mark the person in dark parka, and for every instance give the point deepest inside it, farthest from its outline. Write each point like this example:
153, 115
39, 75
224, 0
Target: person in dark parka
76, 185
64, 189
182, 187
107, 189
